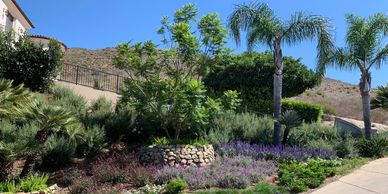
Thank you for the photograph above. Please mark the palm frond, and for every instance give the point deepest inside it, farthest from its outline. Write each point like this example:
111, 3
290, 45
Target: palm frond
381, 99
257, 18
302, 27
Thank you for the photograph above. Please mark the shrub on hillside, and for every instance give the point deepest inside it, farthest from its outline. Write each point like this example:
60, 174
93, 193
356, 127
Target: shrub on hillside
308, 112
66, 98
57, 152
312, 132
93, 140
240, 127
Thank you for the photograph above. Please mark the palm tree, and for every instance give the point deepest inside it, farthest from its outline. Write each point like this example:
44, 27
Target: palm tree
50, 119
264, 27
11, 98
363, 50
381, 99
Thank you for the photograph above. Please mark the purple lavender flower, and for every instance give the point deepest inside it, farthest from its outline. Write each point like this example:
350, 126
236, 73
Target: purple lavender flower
273, 152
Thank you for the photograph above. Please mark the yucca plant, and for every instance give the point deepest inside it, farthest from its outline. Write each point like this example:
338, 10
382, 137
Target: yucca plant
50, 119
290, 119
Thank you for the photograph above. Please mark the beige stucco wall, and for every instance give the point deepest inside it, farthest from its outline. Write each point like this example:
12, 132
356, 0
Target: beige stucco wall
20, 25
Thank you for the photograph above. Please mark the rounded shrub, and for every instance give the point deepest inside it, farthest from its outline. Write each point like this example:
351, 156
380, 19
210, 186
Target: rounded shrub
233, 181
176, 186
57, 152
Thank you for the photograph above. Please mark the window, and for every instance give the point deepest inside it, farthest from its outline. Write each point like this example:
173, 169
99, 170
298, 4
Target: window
9, 21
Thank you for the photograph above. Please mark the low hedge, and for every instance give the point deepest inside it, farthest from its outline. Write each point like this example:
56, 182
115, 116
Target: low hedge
308, 112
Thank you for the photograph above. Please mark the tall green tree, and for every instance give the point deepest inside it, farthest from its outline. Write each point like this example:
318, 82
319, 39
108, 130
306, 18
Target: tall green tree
28, 63
363, 51
264, 27
381, 99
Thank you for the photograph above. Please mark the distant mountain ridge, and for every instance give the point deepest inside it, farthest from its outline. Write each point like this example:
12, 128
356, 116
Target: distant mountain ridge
339, 98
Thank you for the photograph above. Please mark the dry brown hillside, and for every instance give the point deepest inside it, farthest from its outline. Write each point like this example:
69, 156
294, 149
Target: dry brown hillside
98, 59
341, 99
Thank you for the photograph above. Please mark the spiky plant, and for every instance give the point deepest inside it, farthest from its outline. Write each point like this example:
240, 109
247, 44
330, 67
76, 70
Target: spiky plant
263, 27
12, 98
50, 119
290, 119
363, 50
381, 99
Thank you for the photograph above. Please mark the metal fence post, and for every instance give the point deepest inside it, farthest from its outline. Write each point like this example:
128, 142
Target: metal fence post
76, 75
117, 83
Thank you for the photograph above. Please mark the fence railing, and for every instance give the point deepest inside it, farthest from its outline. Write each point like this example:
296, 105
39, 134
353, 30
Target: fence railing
92, 78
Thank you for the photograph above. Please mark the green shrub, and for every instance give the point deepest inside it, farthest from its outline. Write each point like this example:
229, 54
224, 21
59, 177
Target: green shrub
347, 147
26, 62
98, 113
298, 177
34, 183
93, 141
309, 133
176, 186
57, 152
308, 112
66, 98
373, 147
242, 126
249, 73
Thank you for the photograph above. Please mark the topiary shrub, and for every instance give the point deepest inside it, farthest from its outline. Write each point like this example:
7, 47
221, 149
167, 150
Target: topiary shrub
57, 152
308, 112
175, 186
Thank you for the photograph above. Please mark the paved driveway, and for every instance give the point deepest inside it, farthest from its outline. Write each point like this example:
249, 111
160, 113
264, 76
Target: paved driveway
370, 178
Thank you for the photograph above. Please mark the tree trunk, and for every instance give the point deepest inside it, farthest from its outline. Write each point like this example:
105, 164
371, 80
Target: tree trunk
365, 87
5, 168
40, 137
277, 91
285, 135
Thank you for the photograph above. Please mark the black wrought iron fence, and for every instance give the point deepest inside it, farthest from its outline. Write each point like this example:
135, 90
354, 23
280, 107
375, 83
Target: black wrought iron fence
91, 78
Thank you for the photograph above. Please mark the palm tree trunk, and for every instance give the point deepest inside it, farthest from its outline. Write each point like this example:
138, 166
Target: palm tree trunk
277, 91
365, 87
285, 135
40, 137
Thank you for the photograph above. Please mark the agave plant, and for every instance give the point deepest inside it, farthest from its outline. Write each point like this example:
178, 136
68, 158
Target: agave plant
50, 119
290, 119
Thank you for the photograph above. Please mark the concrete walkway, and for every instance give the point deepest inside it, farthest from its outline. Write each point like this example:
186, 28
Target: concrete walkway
370, 178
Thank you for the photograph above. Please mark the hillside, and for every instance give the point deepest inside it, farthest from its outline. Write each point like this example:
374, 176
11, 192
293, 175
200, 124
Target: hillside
339, 98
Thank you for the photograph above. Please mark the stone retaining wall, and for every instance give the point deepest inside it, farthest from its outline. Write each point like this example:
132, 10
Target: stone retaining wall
177, 155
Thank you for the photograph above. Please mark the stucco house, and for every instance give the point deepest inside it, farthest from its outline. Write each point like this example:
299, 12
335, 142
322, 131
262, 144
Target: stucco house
12, 17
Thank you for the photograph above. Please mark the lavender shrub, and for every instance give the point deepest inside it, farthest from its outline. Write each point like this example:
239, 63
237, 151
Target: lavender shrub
278, 153
228, 172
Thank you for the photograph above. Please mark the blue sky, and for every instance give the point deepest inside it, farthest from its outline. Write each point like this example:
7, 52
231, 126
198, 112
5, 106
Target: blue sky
97, 24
